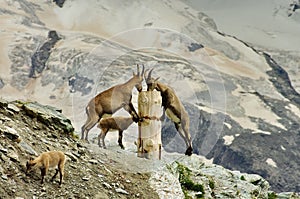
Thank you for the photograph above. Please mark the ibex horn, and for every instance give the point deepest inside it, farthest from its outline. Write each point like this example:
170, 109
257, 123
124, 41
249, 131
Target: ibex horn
138, 69
149, 75
143, 70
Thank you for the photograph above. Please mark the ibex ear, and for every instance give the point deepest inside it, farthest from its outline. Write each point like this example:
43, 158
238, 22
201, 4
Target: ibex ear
156, 79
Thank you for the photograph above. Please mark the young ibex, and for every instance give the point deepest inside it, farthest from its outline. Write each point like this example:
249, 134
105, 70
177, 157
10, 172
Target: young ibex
173, 108
113, 123
111, 100
48, 160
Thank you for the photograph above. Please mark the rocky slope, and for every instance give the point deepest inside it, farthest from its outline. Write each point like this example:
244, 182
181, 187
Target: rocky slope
29, 128
242, 98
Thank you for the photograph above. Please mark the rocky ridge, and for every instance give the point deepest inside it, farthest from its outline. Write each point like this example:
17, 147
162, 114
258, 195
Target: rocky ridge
91, 172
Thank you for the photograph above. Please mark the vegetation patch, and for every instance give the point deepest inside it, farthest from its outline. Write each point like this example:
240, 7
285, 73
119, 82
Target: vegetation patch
272, 195
187, 184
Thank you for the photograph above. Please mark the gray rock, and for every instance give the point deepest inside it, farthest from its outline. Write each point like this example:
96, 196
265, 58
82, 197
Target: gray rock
49, 115
13, 107
71, 156
12, 134
92, 161
28, 149
107, 185
13, 156
119, 190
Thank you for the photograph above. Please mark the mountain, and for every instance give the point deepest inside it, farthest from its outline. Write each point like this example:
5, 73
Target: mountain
240, 86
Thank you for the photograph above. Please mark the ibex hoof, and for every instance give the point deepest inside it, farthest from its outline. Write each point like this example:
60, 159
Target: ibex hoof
189, 151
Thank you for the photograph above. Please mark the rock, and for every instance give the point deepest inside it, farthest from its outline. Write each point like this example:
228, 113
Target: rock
49, 115
119, 190
28, 149
12, 134
3, 150
13, 107
86, 178
60, 3
40, 57
107, 185
3, 103
4, 177
13, 156
92, 161
73, 157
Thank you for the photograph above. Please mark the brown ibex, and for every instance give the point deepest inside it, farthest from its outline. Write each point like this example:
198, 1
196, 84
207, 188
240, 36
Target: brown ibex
173, 108
48, 160
113, 123
111, 100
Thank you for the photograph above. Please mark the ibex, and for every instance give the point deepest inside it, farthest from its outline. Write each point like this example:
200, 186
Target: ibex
113, 123
48, 160
111, 100
173, 108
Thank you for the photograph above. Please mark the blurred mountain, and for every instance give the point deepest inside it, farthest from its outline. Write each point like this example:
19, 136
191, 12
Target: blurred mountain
239, 84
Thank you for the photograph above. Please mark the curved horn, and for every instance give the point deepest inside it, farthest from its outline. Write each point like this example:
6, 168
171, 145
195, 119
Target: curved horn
149, 75
145, 73
143, 70
138, 69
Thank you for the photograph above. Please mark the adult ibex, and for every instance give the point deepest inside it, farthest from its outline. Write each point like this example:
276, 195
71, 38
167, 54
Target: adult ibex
173, 108
111, 100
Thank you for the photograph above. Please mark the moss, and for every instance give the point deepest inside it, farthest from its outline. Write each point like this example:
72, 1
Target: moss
272, 195
186, 182
243, 178
211, 184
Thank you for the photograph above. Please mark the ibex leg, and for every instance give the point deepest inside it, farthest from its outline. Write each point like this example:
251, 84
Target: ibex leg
103, 135
186, 137
130, 109
120, 140
87, 127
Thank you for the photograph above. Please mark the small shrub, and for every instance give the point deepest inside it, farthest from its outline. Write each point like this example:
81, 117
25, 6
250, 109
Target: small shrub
211, 184
186, 182
272, 195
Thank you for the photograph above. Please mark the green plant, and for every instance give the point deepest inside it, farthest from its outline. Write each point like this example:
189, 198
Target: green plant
272, 195
186, 182
211, 184
243, 178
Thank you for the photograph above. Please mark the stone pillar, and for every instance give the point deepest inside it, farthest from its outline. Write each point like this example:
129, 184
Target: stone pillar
149, 138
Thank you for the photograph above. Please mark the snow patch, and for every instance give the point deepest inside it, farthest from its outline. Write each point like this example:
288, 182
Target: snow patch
228, 139
228, 125
262, 132
271, 162
294, 109
282, 147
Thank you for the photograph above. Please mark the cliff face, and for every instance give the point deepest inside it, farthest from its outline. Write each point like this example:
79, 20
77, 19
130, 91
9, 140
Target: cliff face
242, 97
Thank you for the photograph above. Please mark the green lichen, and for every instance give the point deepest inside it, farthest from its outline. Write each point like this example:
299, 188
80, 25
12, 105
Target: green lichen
211, 184
272, 195
187, 184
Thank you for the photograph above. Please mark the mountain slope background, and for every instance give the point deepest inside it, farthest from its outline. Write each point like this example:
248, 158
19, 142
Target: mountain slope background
241, 93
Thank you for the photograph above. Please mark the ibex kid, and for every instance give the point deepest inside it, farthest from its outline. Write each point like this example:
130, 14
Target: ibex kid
113, 123
48, 160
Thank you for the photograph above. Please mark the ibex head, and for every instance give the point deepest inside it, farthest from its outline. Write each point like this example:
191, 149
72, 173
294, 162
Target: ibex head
139, 78
150, 81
